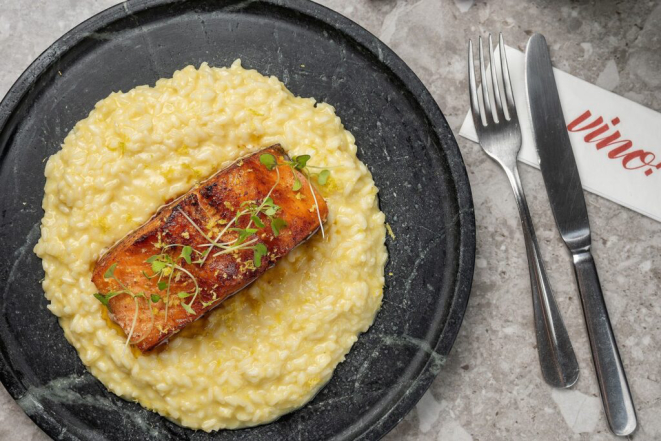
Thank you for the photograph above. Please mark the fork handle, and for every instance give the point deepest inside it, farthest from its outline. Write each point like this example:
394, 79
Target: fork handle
556, 354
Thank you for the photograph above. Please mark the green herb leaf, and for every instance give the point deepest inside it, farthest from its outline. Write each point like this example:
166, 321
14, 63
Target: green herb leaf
139, 295
257, 221
155, 298
297, 185
184, 295
270, 211
186, 253
301, 161
105, 299
277, 224
187, 308
110, 272
162, 285
152, 258
259, 251
322, 178
268, 207
268, 160
205, 304
244, 233
158, 265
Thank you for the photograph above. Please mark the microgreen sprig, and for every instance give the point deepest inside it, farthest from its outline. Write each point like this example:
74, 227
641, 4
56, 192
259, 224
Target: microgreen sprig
163, 265
299, 163
248, 208
105, 300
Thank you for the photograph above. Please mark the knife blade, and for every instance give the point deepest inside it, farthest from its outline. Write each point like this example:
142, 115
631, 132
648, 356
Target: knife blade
563, 185
559, 169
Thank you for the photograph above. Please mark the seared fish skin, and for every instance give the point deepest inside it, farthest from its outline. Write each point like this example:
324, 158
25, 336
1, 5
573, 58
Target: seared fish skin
192, 220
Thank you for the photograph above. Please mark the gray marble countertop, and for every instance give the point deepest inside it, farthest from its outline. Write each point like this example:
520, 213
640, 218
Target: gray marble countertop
491, 386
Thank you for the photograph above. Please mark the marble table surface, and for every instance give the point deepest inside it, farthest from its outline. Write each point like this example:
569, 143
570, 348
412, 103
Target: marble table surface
491, 386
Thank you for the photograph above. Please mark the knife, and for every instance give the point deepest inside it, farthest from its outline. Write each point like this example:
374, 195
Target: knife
563, 185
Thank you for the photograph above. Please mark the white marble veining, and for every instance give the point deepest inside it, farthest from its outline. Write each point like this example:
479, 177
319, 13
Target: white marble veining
490, 388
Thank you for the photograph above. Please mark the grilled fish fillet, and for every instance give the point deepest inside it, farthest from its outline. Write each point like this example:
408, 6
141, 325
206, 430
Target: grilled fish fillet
154, 282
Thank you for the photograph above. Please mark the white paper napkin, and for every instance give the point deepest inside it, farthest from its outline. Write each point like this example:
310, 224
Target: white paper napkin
616, 142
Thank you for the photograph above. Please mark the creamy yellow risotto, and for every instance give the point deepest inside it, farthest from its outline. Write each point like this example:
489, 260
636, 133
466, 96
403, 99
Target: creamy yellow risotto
270, 348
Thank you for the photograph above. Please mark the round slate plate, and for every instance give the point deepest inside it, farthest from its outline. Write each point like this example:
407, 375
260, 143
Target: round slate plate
401, 135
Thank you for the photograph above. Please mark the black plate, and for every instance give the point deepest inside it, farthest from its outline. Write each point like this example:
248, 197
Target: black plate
401, 136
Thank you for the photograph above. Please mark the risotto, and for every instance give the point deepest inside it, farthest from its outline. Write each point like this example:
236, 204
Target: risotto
270, 348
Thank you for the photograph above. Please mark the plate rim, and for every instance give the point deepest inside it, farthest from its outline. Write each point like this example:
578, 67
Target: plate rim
386, 56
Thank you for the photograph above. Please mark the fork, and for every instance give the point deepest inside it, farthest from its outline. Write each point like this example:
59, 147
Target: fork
499, 136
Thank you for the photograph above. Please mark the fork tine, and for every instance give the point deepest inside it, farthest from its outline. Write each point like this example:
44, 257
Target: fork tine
472, 89
494, 83
488, 116
507, 84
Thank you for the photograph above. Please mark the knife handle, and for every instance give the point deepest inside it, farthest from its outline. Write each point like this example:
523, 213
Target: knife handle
615, 393
556, 354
